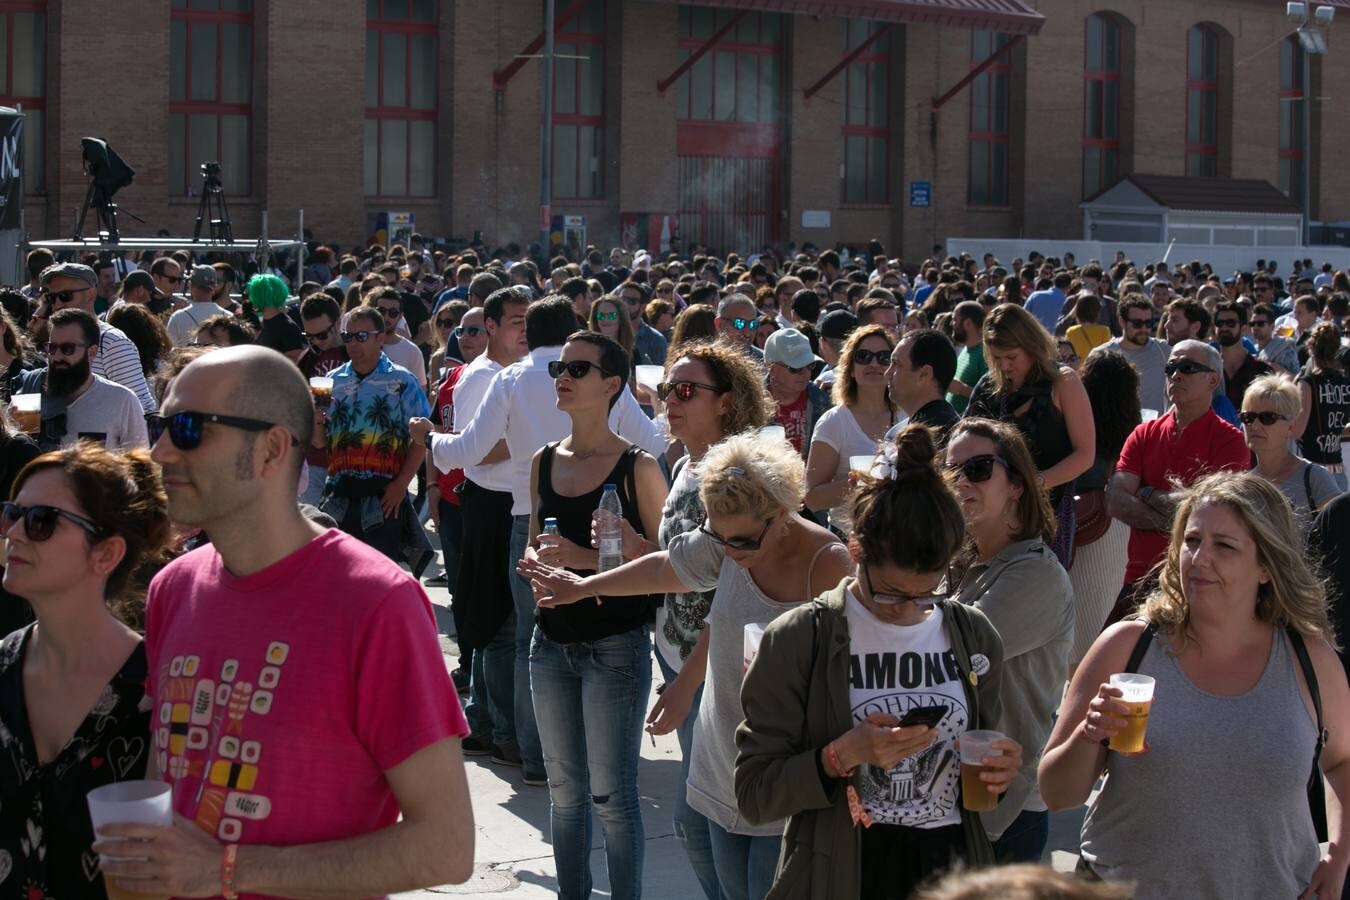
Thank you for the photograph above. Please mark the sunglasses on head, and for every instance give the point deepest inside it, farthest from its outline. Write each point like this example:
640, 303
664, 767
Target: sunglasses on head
745, 544
683, 390
1185, 367
977, 468
1265, 417
745, 324
576, 369
64, 348
867, 357
606, 317
185, 428
62, 296
39, 521
469, 330
359, 337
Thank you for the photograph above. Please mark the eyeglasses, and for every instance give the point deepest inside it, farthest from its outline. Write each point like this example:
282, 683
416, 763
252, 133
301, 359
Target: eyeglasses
469, 330
744, 544
319, 335
683, 390
359, 337
977, 469
1266, 417
1138, 323
576, 369
665, 291
896, 599
173, 279
1226, 323
1185, 367
795, 370
55, 297
39, 521
185, 428
745, 324
391, 312
606, 317
64, 348
867, 357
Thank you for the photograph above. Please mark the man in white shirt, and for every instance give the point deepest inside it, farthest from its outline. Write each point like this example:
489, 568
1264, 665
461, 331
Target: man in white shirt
183, 324
521, 406
1147, 354
73, 286
400, 350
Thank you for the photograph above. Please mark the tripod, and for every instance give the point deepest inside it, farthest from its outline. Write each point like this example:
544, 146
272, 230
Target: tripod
101, 200
212, 208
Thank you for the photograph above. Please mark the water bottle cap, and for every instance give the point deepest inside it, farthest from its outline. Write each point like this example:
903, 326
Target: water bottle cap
611, 487
550, 521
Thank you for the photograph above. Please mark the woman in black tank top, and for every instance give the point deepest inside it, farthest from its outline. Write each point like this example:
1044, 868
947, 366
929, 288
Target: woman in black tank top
590, 662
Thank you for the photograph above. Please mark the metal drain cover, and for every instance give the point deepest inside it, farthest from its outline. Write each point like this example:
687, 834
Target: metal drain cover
483, 881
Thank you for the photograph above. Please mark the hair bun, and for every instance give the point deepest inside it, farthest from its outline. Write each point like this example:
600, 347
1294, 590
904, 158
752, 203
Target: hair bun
915, 448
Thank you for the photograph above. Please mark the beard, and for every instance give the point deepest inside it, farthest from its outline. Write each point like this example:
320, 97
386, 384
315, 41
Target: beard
64, 379
1228, 339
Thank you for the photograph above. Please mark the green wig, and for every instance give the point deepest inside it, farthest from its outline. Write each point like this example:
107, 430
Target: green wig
267, 291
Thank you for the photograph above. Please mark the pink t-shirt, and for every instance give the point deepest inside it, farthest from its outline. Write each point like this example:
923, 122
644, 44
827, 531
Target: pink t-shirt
282, 698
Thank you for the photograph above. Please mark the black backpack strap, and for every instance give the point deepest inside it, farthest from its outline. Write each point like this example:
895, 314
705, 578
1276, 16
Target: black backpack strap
1317, 802
1141, 647
1307, 486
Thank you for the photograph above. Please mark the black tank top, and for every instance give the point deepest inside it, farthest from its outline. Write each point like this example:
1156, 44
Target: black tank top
587, 620
1321, 439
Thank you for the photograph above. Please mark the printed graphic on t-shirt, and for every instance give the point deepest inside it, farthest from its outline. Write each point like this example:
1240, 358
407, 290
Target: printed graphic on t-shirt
922, 789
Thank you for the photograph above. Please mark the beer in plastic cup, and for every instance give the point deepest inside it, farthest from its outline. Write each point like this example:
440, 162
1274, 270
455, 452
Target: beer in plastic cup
975, 746
862, 464
1148, 415
27, 411
754, 634
140, 802
322, 389
649, 376
1137, 693
774, 432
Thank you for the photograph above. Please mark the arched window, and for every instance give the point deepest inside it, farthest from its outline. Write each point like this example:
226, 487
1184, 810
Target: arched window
1101, 103
1202, 101
1293, 157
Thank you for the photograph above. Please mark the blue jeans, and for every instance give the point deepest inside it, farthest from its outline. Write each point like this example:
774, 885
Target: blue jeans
691, 827
1025, 839
591, 698
490, 710
745, 864
527, 730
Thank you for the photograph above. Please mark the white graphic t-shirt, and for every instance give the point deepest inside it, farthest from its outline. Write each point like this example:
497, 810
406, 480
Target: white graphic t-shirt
893, 669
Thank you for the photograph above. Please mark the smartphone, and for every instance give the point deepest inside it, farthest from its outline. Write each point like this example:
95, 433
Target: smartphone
928, 716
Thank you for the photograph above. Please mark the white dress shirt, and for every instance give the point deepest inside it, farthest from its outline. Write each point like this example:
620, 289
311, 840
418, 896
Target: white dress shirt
469, 393
522, 407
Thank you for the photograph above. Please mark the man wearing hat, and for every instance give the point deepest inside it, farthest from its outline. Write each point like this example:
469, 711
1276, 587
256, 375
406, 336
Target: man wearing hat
74, 286
139, 288
834, 327
790, 361
183, 324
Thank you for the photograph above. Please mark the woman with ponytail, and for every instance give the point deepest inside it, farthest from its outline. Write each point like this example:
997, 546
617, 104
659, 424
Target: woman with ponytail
73, 711
268, 294
874, 808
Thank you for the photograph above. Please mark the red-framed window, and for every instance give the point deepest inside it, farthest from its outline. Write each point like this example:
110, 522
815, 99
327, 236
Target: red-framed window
867, 127
1202, 101
1293, 107
740, 79
1101, 102
989, 121
210, 93
400, 126
23, 28
579, 106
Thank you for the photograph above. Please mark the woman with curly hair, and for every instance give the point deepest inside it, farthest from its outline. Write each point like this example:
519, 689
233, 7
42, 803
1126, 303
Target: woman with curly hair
16, 352
146, 332
1218, 806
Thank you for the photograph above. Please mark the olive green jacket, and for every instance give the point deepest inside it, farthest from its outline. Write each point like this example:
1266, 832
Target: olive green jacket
795, 698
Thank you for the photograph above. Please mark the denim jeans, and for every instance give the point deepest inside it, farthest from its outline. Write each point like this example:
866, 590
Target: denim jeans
745, 864
490, 711
527, 731
590, 700
691, 826
1024, 840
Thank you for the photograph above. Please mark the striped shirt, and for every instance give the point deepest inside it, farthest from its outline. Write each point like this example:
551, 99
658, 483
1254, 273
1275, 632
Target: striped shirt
117, 360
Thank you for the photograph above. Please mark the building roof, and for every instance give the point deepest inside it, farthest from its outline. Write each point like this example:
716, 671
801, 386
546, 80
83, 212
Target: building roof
1250, 195
1008, 16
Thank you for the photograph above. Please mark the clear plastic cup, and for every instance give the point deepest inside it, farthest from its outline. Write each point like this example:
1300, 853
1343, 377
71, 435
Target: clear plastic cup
650, 376
139, 802
862, 464
1148, 415
27, 412
773, 432
975, 746
1137, 694
322, 388
754, 635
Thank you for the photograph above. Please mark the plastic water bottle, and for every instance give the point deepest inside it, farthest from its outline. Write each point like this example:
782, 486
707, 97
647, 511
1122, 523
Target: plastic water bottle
550, 526
609, 531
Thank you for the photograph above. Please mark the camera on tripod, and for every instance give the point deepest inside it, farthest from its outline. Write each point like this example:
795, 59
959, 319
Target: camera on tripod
211, 209
211, 171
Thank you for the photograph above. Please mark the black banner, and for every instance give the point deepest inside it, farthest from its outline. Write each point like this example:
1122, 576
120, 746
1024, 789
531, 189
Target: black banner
11, 169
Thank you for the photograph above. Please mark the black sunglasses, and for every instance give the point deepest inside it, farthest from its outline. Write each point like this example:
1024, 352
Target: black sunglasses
469, 330
62, 296
683, 390
1265, 417
1226, 323
867, 357
39, 521
390, 313
1185, 367
576, 369
978, 468
185, 428
359, 337
445, 323
64, 348
319, 336
746, 544
1138, 323
1260, 323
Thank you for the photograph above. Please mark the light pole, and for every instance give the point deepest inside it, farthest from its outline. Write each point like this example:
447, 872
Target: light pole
1312, 37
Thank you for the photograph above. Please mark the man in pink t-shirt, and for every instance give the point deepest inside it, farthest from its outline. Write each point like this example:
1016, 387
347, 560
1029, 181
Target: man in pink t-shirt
299, 699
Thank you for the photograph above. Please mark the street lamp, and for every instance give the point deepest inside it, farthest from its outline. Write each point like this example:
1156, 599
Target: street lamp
1312, 24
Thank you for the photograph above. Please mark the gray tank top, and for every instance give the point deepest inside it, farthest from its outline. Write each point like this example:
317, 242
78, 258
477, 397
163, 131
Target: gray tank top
1218, 806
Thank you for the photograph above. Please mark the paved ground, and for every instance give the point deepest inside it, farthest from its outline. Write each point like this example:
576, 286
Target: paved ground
513, 858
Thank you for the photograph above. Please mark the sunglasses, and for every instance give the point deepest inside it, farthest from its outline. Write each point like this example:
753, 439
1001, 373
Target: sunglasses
867, 357
319, 335
1138, 323
745, 324
1260, 323
1265, 417
62, 296
795, 370
1185, 367
173, 279
1226, 323
359, 337
185, 428
977, 469
577, 369
64, 348
606, 317
665, 290
896, 599
683, 390
39, 521
445, 323
469, 330
745, 544
390, 312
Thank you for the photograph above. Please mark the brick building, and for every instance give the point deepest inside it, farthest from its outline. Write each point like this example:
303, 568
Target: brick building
344, 108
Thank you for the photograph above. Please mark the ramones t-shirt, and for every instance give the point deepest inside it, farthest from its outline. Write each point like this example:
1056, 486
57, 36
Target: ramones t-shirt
893, 669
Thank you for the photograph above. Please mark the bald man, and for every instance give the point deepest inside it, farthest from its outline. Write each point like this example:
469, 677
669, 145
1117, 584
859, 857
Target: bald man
317, 649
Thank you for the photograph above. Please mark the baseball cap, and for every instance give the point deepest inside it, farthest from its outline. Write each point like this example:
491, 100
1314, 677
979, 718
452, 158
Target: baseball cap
791, 348
203, 276
837, 324
70, 270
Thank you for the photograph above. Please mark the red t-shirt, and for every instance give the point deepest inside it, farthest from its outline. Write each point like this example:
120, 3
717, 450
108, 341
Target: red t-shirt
1158, 454
793, 419
279, 700
445, 404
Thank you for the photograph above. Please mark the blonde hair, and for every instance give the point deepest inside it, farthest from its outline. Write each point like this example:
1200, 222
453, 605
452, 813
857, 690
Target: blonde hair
1279, 391
1020, 882
749, 474
845, 390
1010, 327
735, 374
1295, 596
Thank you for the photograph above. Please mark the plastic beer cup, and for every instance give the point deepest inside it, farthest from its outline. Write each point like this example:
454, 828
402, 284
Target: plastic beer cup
975, 746
1137, 691
139, 802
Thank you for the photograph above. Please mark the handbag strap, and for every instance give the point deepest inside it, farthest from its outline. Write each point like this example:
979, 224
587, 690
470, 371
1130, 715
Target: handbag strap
1310, 677
1307, 488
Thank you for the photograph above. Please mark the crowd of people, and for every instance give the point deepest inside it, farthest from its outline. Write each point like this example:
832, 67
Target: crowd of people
892, 533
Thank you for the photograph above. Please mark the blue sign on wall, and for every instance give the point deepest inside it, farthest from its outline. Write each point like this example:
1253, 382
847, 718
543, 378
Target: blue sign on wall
921, 193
